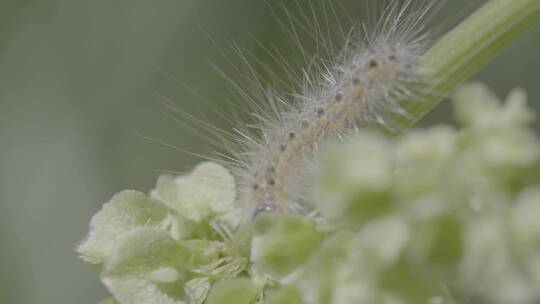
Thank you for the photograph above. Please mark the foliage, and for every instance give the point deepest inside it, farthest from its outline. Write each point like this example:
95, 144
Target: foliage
437, 215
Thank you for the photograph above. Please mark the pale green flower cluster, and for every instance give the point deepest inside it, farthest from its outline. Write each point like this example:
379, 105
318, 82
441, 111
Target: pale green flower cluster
171, 246
436, 216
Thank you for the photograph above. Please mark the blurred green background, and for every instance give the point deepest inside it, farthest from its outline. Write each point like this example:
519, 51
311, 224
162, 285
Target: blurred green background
77, 79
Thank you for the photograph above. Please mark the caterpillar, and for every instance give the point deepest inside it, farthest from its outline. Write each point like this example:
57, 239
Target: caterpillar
365, 85
363, 82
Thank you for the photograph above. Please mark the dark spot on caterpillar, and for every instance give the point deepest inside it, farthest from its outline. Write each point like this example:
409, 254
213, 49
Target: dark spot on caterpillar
320, 112
255, 186
282, 148
271, 181
373, 64
355, 81
392, 58
292, 135
339, 97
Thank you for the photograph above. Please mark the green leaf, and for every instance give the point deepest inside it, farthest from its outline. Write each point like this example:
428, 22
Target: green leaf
320, 275
146, 266
197, 289
124, 212
287, 294
423, 184
525, 219
146, 251
203, 253
231, 267
135, 290
282, 242
498, 138
206, 192
525, 227
234, 291
378, 246
353, 186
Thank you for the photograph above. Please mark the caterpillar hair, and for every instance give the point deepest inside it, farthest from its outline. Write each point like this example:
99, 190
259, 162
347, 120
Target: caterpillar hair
363, 81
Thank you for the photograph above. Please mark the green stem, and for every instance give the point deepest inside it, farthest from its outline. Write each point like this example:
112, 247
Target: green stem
468, 47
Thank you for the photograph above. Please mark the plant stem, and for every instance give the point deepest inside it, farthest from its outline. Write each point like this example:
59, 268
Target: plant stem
468, 47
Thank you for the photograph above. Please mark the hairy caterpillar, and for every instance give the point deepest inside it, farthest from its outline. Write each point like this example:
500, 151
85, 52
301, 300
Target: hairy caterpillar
363, 82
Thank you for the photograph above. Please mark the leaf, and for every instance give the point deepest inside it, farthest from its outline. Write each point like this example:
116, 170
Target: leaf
282, 243
143, 250
234, 291
206, 192
287, 294
146, 266
355, 179
197, 290
124, 212
135, 290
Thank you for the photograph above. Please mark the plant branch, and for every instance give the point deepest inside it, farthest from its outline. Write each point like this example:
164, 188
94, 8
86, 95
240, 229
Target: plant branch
468, 47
